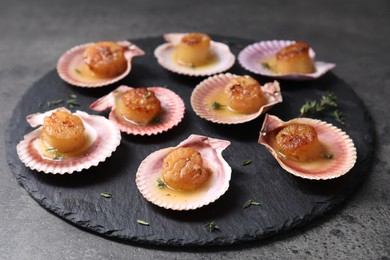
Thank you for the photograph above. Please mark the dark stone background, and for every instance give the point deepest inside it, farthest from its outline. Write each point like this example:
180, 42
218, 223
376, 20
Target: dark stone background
353, 35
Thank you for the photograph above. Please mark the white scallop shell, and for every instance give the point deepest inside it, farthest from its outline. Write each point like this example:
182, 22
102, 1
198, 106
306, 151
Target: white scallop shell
172, 105
211, 150
341, 145
103, 137
164, 54
71, 58
250, 58
216, 84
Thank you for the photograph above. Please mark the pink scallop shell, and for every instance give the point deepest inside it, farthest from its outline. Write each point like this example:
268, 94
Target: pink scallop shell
211, 151
250, 58
164, 53
217, 83
172, 105
74, 56
104, 135
342, 146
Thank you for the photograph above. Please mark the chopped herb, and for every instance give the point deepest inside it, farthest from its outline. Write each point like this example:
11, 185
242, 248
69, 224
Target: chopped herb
54, 102
72, 103
40, 104
217, 106
328, 156
73, 96
106, 195
156, 120
211, 226
249, 203
246, 162
338, 116
160, 184
266, 65
77, 71
57, 156
147, 94
142, 222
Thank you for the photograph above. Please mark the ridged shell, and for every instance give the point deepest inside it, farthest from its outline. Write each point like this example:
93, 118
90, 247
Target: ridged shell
104, 137
340, 144
216, 84
211, 150
164, 53
172, 105
250, 58
73, 57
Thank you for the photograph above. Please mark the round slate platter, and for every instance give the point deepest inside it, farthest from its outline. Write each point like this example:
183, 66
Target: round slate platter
285, 201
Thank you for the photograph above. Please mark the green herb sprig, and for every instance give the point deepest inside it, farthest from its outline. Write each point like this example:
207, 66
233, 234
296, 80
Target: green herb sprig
143, 222
249, 203
160, 183
106, 195
246, 162
57, 156
211, 226
328, 103
217, 106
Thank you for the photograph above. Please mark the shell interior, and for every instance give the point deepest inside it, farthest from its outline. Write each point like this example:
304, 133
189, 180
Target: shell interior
151, 167
340, 144
71, 67
102, 140
164, 54
207, 91
172, 105
251, 56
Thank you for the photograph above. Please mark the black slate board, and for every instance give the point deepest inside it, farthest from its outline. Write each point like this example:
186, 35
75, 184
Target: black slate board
286, 201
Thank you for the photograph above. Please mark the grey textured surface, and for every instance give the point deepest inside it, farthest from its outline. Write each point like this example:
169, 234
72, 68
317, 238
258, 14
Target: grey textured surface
353, 35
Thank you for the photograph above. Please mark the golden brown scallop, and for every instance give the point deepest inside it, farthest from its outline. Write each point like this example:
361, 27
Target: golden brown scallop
299, 142
193, 50
294, 58
139, 105
183, 169
244, 95
105, 59
63, 131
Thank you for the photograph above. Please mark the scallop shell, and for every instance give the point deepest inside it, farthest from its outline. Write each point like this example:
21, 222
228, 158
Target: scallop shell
103, 138
164, 53
341, 145
172, 105
67, 63
211, 150
216, 84
250, 58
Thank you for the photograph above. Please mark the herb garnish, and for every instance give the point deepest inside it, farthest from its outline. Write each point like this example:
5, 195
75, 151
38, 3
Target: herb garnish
266, 65
211, 226
328, 156
142, 222
106, 195
72, 101
328, 102
77, 71
217, 106
54, 102
57, 155
249, 203
147, 94
160, 183
246, 162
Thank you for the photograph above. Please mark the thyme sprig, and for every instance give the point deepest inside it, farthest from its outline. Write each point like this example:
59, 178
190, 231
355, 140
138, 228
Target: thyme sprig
211, 226
328, 103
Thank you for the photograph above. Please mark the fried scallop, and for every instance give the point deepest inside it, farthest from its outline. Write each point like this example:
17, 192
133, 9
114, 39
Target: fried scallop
194, 50
183, 169
105, 58
244, 95
293, 58
139, 105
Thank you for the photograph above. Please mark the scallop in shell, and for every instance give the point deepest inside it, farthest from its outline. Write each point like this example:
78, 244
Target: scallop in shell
254, 58
72, 69
172, 105
223, 57
101, 140
210, 93
337, 156
149, 176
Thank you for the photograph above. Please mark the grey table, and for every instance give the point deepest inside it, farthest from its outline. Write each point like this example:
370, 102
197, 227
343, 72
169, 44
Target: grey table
354, 34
